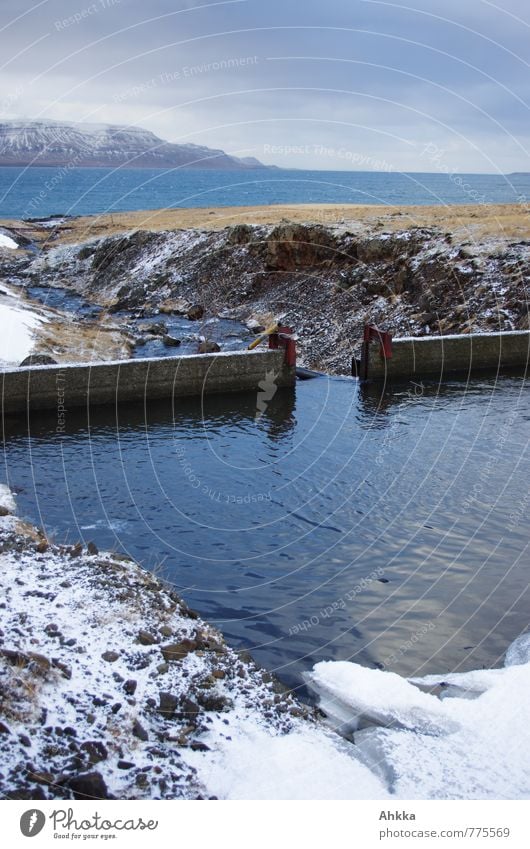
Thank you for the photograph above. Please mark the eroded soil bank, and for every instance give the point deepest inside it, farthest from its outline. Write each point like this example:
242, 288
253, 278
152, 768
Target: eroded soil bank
410, 270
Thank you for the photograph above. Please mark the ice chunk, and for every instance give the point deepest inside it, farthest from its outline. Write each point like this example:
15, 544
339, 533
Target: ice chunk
353, 694
519, 651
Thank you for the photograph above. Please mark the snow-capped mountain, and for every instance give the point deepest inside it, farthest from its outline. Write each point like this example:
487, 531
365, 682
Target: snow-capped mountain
104, 145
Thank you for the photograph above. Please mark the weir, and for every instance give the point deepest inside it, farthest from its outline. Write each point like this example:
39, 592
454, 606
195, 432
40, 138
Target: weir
385, 358
75, 385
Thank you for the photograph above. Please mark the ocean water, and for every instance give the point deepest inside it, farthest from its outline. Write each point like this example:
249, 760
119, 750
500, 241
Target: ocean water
41, 192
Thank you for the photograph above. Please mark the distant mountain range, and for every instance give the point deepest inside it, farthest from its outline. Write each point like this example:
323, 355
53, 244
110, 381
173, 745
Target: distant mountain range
57, 143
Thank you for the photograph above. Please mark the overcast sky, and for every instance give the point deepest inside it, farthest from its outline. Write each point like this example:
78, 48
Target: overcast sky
428, 85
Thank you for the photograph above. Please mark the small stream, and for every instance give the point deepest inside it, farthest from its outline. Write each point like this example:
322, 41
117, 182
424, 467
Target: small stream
229, 335
389, 528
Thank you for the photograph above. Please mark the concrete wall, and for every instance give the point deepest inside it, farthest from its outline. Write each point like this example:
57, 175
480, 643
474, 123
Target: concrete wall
63, 386
441, 355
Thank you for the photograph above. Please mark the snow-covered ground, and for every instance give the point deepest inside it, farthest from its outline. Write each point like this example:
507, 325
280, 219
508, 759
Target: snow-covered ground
17, 327
111, 687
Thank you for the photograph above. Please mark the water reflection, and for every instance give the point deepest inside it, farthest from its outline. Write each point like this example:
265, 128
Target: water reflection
383, 525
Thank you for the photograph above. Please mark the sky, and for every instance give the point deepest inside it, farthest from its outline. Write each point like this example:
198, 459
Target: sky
426, 85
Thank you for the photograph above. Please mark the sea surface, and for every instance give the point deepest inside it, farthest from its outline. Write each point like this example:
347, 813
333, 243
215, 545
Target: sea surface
386, 527
42, 192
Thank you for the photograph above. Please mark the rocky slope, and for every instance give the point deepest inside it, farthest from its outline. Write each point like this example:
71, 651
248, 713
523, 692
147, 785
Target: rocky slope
109, 685
54, 143
325, 281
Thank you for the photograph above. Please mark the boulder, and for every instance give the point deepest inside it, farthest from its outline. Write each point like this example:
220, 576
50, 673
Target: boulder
90, 785
195, 312
38, 360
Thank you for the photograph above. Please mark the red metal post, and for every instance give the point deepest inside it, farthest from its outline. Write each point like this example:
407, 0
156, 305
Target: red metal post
371, 334
284, 338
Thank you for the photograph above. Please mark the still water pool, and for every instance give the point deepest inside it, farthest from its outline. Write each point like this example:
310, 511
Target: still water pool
388, 527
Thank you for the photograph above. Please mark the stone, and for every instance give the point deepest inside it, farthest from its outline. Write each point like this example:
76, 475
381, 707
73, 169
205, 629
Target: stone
125, 765
89, 785
110, 656
208, 346
146, 639
166, 631
42, 777
130, 687
168, 704
139, 731
170, 341
195, 312
95, 750
38, 360
188, 709
177, 651
219, 673
76, 550
92, 548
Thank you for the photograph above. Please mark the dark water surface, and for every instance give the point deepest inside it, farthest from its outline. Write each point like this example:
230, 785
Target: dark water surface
38, 192
389, 528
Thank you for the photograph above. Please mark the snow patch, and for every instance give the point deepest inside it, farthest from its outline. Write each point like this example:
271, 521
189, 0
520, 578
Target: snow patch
7, 242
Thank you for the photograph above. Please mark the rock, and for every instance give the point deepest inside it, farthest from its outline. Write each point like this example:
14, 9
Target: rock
63, 668
211, 702
130, 687
110, 656
156, 328
38, 360
76, 550
40, 664
95, 750
240, 234
4, 729
255, 326
195, 312
176, 307
25, 741
88, 786
219, 673
92, 548
116, 708
168, 704
171, 341
196, 746
208, 346
177, 651
139, 731
146, 639
43, 777
125, 765
188, 709
166, 631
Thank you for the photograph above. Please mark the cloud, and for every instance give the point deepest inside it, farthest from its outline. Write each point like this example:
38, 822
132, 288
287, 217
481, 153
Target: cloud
383, 79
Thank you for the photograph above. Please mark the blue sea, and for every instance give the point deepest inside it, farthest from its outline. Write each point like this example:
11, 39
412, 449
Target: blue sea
41, 192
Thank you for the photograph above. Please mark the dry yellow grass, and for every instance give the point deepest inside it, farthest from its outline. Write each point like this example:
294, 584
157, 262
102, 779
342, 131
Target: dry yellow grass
472, 222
